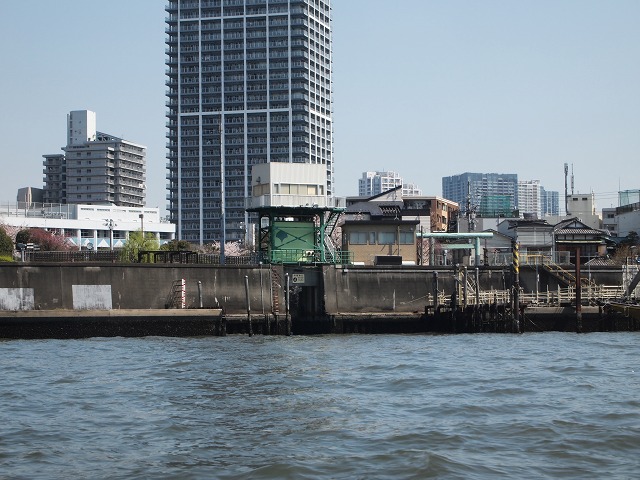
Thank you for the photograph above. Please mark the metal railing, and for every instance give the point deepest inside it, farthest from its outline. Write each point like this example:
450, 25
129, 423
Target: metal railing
561, 296
159, 257
309, 256
70, 256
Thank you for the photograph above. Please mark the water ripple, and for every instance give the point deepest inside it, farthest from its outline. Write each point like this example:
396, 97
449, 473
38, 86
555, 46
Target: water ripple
483, 406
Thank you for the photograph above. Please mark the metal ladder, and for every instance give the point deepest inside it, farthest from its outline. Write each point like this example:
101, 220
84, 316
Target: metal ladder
276, 282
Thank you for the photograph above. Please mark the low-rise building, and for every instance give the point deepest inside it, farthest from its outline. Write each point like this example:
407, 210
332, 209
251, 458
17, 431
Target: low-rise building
89, 226
377, 234
572, 234
434, 214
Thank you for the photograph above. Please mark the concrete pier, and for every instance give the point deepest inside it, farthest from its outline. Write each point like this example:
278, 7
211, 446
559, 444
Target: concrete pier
110, 323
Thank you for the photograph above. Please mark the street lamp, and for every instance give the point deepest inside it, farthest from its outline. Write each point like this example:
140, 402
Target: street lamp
110, 223
141, 217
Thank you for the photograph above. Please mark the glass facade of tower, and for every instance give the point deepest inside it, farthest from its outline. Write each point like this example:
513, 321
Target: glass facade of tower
252, 76
489, 194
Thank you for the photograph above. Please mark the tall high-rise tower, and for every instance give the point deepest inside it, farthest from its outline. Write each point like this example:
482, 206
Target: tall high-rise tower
252, 76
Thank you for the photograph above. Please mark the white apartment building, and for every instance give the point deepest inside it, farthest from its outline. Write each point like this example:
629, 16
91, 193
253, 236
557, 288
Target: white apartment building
411, 190
375, 183
96, 168
529, 198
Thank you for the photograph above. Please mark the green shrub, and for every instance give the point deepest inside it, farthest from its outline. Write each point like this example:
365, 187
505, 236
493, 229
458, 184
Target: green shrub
176, 245
135, 243
6, 245
23, 236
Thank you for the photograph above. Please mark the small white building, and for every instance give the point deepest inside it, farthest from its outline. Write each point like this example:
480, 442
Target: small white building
89, 226
583, 206
288, 185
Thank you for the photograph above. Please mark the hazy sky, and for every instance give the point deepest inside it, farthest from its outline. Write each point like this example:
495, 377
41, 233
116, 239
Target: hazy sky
424, 88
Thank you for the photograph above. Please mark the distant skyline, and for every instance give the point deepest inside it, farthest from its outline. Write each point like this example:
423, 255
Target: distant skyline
426, 89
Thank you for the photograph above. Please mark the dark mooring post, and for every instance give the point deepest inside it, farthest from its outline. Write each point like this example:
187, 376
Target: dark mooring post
286, 296
477, 286
578, 293
248, 299
465, 292
435, 292
516, 285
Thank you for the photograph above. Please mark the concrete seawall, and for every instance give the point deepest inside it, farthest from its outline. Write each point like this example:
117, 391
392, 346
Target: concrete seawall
394, 289
136, 286
86, 298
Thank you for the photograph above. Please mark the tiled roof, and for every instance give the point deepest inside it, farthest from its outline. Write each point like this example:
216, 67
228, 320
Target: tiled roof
578, 231
602, 262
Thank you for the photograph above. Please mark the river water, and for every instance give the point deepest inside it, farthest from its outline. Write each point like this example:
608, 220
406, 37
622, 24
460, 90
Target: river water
483, 406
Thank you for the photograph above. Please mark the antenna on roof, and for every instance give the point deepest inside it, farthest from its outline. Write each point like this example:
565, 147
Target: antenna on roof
572, 179
566, 194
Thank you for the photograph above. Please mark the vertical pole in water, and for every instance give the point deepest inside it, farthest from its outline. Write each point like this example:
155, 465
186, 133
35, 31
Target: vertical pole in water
578, 293
261, 290
477, 286
435, 292
200, 292
516, 285
246, 293
286, 296
464, 287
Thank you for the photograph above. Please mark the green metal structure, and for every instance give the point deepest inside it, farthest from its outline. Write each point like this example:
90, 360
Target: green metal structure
299, 235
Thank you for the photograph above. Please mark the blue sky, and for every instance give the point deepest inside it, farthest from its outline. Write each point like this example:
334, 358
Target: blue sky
424, 88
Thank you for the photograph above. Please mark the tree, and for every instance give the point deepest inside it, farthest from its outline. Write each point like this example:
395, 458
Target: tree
23, 236
631, 239
136, 244
231, 249
47, 241
6, 245
177, 245
10, 230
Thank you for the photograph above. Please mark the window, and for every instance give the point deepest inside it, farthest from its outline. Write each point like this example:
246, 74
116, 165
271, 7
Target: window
358, 238
372, 238
406, 238
386, 238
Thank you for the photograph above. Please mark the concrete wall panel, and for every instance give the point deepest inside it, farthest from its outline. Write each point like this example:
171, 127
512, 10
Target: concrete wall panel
16, 299
91, 297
